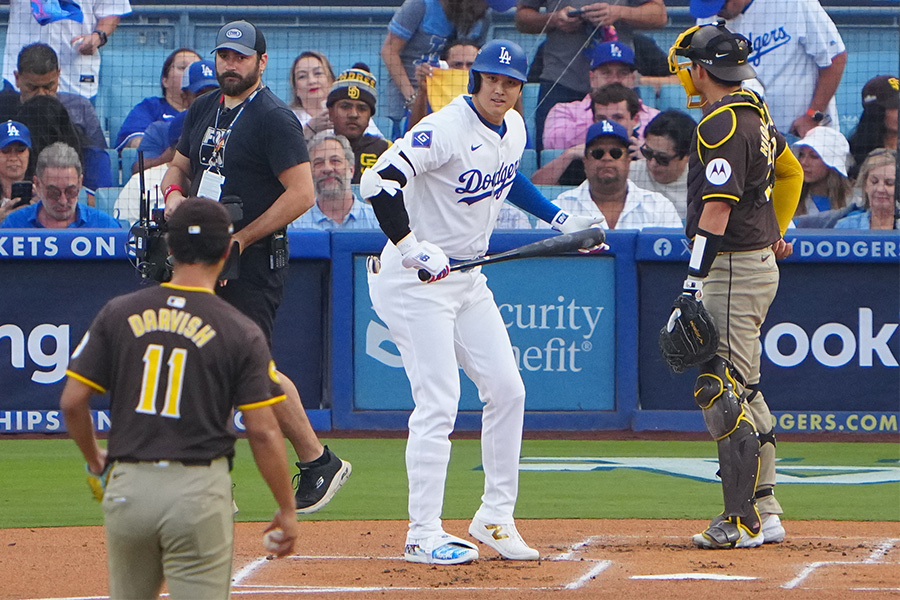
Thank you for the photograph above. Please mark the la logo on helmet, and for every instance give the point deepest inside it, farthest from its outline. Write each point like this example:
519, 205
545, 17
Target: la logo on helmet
12, 130
207, 72
505, 56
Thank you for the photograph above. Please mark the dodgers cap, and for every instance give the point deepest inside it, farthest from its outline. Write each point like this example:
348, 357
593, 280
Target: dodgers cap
702, 9
199, 76
606, 128
609, 52
501, 5
13, 131
241, 36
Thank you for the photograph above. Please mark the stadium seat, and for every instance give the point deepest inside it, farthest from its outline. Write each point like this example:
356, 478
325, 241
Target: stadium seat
105, 199
129, 157
529, 163
548, 155
671, 96
648, 95
552, 191
115, 168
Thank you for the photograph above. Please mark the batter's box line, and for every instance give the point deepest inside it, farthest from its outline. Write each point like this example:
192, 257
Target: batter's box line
874, 558
237, 581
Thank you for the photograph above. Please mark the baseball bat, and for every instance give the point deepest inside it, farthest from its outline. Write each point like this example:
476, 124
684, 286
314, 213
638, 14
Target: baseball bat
558, 244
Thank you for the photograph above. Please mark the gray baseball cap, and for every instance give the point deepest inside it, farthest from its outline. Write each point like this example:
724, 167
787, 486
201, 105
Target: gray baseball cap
241, 36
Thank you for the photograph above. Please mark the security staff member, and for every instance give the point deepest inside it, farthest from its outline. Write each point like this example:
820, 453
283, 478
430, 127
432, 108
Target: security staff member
177, 361
243, 143
743, 187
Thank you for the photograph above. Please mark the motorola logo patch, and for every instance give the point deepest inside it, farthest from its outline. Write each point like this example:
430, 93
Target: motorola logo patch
718, 171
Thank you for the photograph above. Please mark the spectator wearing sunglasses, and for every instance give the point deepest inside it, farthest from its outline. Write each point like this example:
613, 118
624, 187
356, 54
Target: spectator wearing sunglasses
58, 178
667, 144
607, 193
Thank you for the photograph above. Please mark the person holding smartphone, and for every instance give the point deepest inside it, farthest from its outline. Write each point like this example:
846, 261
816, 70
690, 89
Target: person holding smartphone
15, 150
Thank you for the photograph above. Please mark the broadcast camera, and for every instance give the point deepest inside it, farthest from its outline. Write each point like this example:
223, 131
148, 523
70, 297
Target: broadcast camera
148, 236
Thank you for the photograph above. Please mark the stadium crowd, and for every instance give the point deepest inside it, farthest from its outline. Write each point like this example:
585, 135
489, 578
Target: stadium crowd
593, 63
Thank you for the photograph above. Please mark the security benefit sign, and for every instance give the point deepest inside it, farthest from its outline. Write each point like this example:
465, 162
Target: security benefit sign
559, 313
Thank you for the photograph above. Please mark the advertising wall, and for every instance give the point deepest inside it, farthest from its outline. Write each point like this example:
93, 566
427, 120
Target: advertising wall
584, 330
829, 344
55, 282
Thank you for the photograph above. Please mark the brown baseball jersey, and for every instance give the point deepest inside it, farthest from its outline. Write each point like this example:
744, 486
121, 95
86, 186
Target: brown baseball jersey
176, 360
736, 147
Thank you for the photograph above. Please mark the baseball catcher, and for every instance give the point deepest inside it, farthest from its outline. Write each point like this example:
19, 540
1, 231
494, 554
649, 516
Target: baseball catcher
743, 188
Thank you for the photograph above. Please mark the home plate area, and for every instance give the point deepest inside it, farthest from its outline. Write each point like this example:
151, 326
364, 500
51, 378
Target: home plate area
622, 559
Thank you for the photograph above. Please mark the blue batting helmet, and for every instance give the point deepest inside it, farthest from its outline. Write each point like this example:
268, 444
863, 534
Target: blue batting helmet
502, 57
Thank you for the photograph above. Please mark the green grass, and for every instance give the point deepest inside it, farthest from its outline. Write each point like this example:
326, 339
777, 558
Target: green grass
43, 483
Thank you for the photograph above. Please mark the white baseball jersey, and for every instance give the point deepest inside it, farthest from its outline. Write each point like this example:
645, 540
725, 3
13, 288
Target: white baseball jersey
463, 174
78, 73
643, 208
790, 41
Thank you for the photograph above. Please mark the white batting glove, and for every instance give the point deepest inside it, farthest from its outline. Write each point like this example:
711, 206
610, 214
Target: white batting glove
563, 222
424, 256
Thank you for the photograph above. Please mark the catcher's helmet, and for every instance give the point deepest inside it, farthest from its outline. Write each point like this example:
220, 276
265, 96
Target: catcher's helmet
721, 52
502, 57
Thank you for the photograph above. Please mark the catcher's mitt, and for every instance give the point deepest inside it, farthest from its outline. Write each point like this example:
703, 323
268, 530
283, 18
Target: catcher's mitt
691, 337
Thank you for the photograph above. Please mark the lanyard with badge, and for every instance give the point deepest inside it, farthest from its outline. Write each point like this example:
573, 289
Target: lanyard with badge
211, 181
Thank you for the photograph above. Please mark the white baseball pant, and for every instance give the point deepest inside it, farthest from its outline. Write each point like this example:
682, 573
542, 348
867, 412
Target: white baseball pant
437, 326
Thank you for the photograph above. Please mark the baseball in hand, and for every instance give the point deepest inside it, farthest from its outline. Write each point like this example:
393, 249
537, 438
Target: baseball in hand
273, 540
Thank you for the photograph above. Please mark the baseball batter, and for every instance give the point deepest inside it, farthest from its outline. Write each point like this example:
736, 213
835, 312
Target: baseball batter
176, 360
743, 188
436, 193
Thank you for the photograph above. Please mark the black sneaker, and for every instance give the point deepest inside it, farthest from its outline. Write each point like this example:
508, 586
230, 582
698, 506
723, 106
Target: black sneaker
318, 481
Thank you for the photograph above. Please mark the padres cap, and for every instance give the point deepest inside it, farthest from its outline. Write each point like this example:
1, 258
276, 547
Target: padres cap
355, 84
830, 145
199, 76
721, 52
198, 223
610, 52
13, 131
883, 91
606, 128
241, 36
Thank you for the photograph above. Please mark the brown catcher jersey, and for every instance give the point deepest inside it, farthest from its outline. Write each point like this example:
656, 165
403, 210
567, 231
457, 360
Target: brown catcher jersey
175, 361
736, 147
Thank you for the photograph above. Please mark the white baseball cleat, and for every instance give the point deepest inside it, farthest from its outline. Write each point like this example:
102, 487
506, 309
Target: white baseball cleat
441, 549
504, 538
772, 529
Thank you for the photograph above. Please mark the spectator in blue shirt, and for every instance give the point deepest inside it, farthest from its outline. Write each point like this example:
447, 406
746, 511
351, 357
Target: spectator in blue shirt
336, 206
877, 180
161, 136
152, 109
57, 184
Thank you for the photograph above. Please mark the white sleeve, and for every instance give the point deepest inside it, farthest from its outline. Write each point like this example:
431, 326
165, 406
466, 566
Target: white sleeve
428, 145
821, 41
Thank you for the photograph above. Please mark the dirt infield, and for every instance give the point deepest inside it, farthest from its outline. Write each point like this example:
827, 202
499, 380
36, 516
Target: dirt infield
581, 559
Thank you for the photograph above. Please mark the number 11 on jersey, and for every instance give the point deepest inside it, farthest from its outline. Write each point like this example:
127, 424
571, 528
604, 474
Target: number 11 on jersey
150, 381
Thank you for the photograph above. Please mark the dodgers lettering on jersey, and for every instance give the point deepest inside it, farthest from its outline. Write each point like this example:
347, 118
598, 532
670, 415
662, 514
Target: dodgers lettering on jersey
767, 42
463, 172
483, 185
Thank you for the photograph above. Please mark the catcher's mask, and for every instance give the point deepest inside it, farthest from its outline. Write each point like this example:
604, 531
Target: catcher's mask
721, 52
